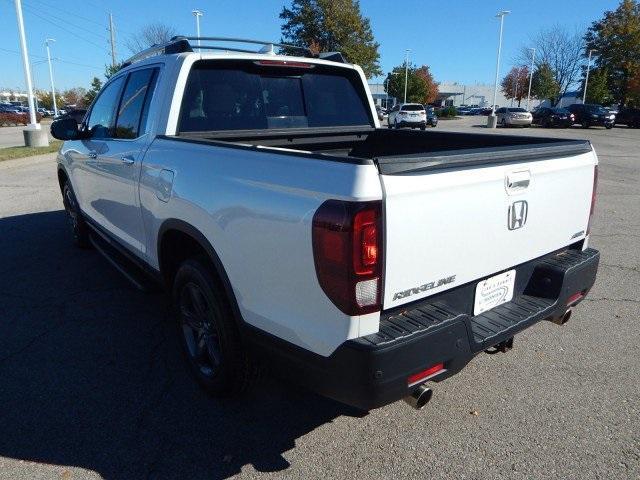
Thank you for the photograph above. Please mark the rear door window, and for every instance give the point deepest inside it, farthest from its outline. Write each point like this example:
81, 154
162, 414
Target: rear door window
232, 95
135, 99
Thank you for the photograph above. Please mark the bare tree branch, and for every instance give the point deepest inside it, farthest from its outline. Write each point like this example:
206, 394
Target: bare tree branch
150, 35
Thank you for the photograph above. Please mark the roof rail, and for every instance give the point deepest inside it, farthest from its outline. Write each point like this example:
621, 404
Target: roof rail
180, 44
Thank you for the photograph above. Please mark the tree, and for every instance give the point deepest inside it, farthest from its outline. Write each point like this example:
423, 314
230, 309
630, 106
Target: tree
544, 85
421, 88
561, 50
152, 34
431, 90
332, 25
515, 85
616, 37
96, 85
75, 96
111, 70
597, 87
45, 99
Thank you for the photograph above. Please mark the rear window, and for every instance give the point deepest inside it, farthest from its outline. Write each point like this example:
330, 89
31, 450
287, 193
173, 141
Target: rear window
412, 108
228, 95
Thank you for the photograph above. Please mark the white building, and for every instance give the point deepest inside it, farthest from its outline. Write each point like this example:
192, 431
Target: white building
457, 94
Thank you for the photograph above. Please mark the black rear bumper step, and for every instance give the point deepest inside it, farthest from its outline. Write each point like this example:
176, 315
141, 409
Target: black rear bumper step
372, 371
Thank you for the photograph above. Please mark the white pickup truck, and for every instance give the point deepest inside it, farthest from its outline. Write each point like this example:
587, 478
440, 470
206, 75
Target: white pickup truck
291, 230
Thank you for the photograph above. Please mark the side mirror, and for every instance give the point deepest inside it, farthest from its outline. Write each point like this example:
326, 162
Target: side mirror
65, 129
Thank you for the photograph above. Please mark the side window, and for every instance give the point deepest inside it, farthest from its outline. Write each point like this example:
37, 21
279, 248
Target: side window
133, 107
103, 113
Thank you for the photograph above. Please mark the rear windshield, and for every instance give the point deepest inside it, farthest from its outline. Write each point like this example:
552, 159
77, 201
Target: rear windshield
232, 95
516, 110
412, 108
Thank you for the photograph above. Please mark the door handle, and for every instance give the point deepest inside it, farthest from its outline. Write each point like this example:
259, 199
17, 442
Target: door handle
128, 160
92, 154
518, 180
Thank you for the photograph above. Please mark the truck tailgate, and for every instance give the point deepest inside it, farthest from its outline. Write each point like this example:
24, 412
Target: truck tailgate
445, 227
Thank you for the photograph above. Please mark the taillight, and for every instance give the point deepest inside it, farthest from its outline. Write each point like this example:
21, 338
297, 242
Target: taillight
347, 250
284, 63
425, 374
403, 113
593, 197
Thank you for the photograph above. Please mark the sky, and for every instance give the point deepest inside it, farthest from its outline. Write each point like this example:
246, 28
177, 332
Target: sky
457, 38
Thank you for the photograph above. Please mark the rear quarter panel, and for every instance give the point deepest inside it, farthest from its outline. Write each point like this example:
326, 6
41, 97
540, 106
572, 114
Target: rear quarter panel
256, 209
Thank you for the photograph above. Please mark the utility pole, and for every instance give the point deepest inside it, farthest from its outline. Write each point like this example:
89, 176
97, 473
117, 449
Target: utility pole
586, 79
406, 73
112, 36
491, 121
533, 59
53, 89
197, 14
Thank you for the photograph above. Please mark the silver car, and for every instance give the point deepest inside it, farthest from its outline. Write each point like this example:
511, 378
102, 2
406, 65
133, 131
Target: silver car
513, 116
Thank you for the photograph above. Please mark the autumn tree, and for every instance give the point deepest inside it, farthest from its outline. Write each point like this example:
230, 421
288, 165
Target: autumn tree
421, 88
515, 85
616, 39
150, 35
75, 96
544, 85
45, 99
332, 25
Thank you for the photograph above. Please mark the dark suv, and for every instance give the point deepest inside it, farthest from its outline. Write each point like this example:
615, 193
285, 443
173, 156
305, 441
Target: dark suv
629, 116
589, 115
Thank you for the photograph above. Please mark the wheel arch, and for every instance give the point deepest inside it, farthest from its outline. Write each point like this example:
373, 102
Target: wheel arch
175, 230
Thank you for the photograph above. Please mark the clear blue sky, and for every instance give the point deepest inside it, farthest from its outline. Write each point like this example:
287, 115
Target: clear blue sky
456, 38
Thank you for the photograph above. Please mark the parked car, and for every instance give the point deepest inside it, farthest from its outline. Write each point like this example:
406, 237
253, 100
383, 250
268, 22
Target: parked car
381, 112
513, 116
408, 115
290, 230
629, 116
589, 115
432, 117
487, 110
463, 110
8, 108
553, 117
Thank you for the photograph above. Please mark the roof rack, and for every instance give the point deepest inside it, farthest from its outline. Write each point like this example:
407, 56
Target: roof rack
180, 44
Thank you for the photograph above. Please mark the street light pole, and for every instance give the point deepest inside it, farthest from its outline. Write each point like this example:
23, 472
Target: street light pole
406, 73
491, 122
586, 79
533, 59
197, 14
33, 125
53, 89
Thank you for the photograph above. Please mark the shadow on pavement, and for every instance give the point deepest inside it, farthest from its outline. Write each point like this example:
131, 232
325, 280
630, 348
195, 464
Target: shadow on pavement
91, 374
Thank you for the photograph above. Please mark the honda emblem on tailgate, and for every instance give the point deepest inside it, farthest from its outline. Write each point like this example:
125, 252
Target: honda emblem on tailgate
517, 216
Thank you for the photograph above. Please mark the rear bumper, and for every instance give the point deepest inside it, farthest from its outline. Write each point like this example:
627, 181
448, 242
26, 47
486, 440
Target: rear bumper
518, 121
372, 371
408, 123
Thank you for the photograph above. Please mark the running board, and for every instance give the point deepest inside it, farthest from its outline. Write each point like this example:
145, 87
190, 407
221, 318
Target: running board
126, 267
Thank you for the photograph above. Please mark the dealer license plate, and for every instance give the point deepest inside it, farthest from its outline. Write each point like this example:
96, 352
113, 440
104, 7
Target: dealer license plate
494, 291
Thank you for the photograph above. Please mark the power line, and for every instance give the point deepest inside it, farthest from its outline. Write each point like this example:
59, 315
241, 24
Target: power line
34, 10
57, 59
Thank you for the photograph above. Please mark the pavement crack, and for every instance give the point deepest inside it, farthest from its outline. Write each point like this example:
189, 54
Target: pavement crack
607, 299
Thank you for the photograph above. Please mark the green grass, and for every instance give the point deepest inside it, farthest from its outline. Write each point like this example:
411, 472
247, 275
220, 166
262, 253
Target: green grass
9, 153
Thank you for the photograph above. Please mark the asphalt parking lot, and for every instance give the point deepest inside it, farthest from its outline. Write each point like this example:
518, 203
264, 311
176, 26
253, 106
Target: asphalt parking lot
92, 384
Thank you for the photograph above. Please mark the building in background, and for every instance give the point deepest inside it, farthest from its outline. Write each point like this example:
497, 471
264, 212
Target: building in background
380, 96
11, 96
456, 94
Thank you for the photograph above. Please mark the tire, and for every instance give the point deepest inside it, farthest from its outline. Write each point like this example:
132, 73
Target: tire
585, 124
423, 127
208, 333
395, 124
608, 127
79, 228
503, 123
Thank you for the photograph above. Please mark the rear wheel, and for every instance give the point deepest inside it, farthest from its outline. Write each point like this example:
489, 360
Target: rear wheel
503, 123
609, 126
208, 332
79, 228
395, 124
585, 124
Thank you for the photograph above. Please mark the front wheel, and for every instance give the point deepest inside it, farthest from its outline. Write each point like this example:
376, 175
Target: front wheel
79, 228
585, 124
422, 127
208, 332
503, 123
608, 127
395, 124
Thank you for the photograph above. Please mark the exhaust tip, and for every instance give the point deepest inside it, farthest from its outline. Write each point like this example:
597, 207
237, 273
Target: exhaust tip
419, 397
565, 318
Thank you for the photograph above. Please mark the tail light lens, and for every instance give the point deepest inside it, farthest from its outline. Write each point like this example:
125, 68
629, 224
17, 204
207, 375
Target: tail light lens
593, 197
347, 250
403, 113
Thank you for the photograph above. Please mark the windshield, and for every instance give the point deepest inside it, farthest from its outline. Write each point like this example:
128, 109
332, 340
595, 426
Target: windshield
234, 95
412, 107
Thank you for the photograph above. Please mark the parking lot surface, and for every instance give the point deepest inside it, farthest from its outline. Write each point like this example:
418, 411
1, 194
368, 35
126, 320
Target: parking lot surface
92, 384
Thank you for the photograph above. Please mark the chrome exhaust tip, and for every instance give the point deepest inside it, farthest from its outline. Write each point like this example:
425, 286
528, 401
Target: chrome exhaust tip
564, 318
419, 397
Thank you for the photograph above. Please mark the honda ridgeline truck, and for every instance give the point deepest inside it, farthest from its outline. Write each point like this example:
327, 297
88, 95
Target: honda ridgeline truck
291, 230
